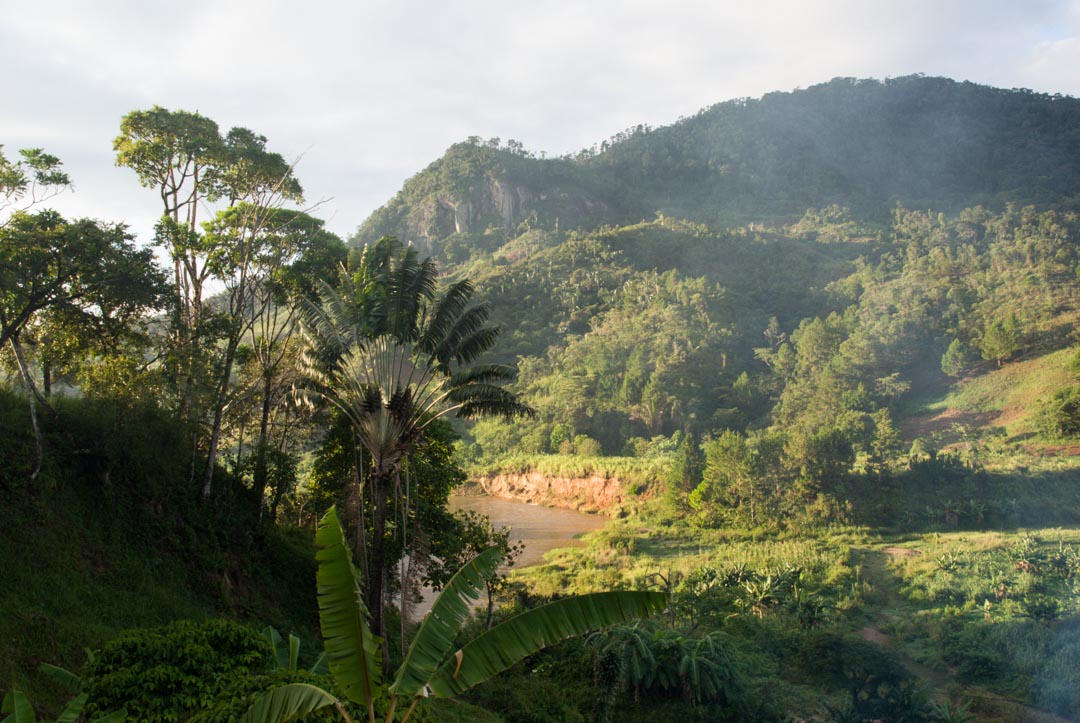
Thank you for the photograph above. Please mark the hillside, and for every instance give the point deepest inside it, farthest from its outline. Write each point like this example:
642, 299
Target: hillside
864, 144
782, 297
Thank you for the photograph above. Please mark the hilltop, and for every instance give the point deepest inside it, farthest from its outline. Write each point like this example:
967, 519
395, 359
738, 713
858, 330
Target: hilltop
814, 269
864, 144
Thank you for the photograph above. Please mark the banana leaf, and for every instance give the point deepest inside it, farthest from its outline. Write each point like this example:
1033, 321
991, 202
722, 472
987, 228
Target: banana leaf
64, 677
287, 702
521, 636
435, 638
294, 651
19, 707
71, 712
352, 651
274, 637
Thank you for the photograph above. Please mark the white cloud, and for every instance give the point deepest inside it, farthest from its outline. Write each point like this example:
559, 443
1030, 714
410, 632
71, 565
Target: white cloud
369, 92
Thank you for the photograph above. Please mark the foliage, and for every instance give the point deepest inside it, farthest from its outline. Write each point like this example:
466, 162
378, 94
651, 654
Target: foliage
1060, 415
17, 704
172, 672
394, 358
36, 174
429, 667
957, 359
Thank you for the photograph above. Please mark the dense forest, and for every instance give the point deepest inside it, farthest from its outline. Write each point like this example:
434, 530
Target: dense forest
824, 341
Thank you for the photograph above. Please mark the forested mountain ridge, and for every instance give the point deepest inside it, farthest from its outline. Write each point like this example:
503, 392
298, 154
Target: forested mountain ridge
782, 297
863, 144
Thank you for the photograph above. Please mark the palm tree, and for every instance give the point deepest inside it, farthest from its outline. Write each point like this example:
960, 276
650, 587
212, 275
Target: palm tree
393, 356
431, 667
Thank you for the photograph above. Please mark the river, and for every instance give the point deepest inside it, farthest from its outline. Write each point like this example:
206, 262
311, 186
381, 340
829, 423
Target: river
540, 528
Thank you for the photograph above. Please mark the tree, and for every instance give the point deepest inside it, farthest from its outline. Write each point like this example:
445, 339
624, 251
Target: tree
34, 178
730, 478
957, 359
431, 667
1001, 338
394, 357
260, 254
85, 274
183, 156
478, 535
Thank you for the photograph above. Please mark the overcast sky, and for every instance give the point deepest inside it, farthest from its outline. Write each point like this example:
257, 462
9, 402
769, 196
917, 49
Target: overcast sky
368, 92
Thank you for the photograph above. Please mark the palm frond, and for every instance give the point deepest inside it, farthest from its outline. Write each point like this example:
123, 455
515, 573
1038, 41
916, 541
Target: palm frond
481, 399
507, 643
444, 315
482, 373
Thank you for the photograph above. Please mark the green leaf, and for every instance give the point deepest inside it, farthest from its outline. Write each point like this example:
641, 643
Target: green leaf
521, 636
64, 677
352, 651
274, 637
73, 709
287, 702
435, 639
19, 707
294, 651
319, 666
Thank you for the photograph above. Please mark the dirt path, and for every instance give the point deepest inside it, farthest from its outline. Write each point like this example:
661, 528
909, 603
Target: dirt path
892, 607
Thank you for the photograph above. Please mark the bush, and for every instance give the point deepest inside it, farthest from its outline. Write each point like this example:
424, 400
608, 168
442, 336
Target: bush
171, 672
957, 359
1060, 415
241, 692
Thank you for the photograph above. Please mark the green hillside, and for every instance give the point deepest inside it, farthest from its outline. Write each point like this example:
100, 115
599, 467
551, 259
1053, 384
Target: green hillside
826, 339
813, 267
864, 144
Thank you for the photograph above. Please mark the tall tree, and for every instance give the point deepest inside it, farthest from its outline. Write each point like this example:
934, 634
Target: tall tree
394, 356
283, 262
185, 158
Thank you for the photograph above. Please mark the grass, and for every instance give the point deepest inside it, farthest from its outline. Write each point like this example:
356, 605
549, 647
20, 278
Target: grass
634, 471
1010, 393
80, 567
935, 597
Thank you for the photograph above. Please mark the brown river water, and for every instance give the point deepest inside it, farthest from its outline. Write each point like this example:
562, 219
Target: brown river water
540, 528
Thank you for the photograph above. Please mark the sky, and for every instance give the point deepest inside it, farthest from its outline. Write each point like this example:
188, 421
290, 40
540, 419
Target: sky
364, 94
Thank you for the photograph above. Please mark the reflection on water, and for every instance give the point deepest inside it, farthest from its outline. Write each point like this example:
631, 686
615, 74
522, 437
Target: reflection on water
540, 528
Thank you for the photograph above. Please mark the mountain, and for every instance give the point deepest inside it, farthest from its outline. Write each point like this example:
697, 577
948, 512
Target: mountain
867, 145
835, 281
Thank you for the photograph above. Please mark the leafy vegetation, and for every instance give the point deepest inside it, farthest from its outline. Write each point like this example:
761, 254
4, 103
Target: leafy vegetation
828, 416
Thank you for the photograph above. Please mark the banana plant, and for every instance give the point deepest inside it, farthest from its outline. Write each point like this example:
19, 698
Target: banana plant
18, 709
431, 666
287, 655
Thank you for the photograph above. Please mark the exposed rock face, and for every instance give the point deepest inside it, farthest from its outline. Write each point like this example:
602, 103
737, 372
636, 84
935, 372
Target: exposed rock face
587, 494
496, 202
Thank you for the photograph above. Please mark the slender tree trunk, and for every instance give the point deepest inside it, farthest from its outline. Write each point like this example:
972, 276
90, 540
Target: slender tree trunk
259, 476
33, 396
380, 482
360, 547
219, 413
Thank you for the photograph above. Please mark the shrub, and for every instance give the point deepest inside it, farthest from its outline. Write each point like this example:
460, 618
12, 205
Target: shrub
957, 359
1060, 415
171, 672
